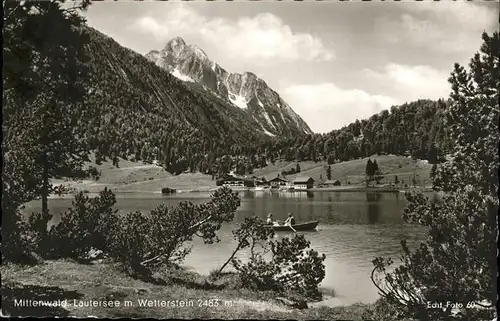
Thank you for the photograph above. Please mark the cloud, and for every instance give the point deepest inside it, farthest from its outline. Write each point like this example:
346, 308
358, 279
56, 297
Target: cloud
262, 37
410, 83
451, 12
326, 107
444, 26
149, 24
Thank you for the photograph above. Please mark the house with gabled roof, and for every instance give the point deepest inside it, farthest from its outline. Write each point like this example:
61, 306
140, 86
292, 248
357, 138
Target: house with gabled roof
278, 182
303, 183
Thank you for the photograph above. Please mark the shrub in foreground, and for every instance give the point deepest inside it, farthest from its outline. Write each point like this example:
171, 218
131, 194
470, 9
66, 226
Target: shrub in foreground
136, 240
282, 265
457, 262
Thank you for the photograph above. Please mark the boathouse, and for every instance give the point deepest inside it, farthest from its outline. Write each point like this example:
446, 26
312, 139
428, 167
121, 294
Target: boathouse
303, 183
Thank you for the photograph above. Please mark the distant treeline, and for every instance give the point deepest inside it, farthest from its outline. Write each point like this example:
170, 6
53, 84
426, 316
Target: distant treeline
414, 129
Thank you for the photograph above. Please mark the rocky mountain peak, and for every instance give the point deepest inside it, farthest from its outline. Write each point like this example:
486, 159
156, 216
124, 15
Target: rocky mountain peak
245, 91
175, 42
199, 52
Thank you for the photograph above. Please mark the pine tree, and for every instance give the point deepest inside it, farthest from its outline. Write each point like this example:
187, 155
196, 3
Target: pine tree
45, 81
457, 263
369, 168
369, 171
432, 154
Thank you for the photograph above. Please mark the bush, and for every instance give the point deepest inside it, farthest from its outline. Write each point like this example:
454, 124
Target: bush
128, 243
291, 171
94, 173
456, 263
19, 242
301, 268
167, 190
135, 240
293, 265
82, 227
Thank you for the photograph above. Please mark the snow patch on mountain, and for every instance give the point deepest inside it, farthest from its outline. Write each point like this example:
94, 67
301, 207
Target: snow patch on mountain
124, 74
176, 73
199, 52
268, 133
269, 121
238, 100
282, 116
246, 91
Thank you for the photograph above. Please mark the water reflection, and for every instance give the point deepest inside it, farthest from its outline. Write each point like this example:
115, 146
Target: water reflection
373, 206
279, 194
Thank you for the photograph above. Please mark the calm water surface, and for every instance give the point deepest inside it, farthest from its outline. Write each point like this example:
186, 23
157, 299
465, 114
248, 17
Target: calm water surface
355, 227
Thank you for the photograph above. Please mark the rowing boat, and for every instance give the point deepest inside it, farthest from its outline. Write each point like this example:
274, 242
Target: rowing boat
307, 226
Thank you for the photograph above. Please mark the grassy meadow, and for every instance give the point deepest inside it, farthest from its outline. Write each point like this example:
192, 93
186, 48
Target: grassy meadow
136, 177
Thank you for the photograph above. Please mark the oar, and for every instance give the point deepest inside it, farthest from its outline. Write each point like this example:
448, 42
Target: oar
292, 228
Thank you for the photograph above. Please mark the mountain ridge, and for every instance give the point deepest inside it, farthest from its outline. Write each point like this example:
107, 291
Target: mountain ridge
146, 113
247, 91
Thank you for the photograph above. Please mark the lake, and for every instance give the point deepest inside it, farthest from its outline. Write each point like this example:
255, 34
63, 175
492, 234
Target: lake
354, 228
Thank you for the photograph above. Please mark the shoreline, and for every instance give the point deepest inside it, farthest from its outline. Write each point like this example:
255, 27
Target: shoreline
79, 187
136, 177
369, 189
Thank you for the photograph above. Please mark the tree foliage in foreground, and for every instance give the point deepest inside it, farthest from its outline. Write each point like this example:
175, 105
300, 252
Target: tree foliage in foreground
44, 84
457, 262
288, 264
136, 240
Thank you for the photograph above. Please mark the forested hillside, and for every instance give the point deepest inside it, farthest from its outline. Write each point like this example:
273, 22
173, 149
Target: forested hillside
149, 114
414, 129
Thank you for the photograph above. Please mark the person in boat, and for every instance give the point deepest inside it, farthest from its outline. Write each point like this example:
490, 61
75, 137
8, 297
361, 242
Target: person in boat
269, 220
290, 220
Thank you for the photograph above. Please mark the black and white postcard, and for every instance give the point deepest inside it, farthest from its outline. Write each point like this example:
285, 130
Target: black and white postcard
303, 160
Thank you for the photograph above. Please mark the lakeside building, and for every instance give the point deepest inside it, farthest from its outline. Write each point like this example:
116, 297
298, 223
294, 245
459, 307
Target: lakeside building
259, 181
331, 183
303, 183
235, 181
278, 182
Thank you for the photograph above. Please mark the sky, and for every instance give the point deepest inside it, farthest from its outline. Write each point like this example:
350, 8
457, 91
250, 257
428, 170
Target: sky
333, 62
